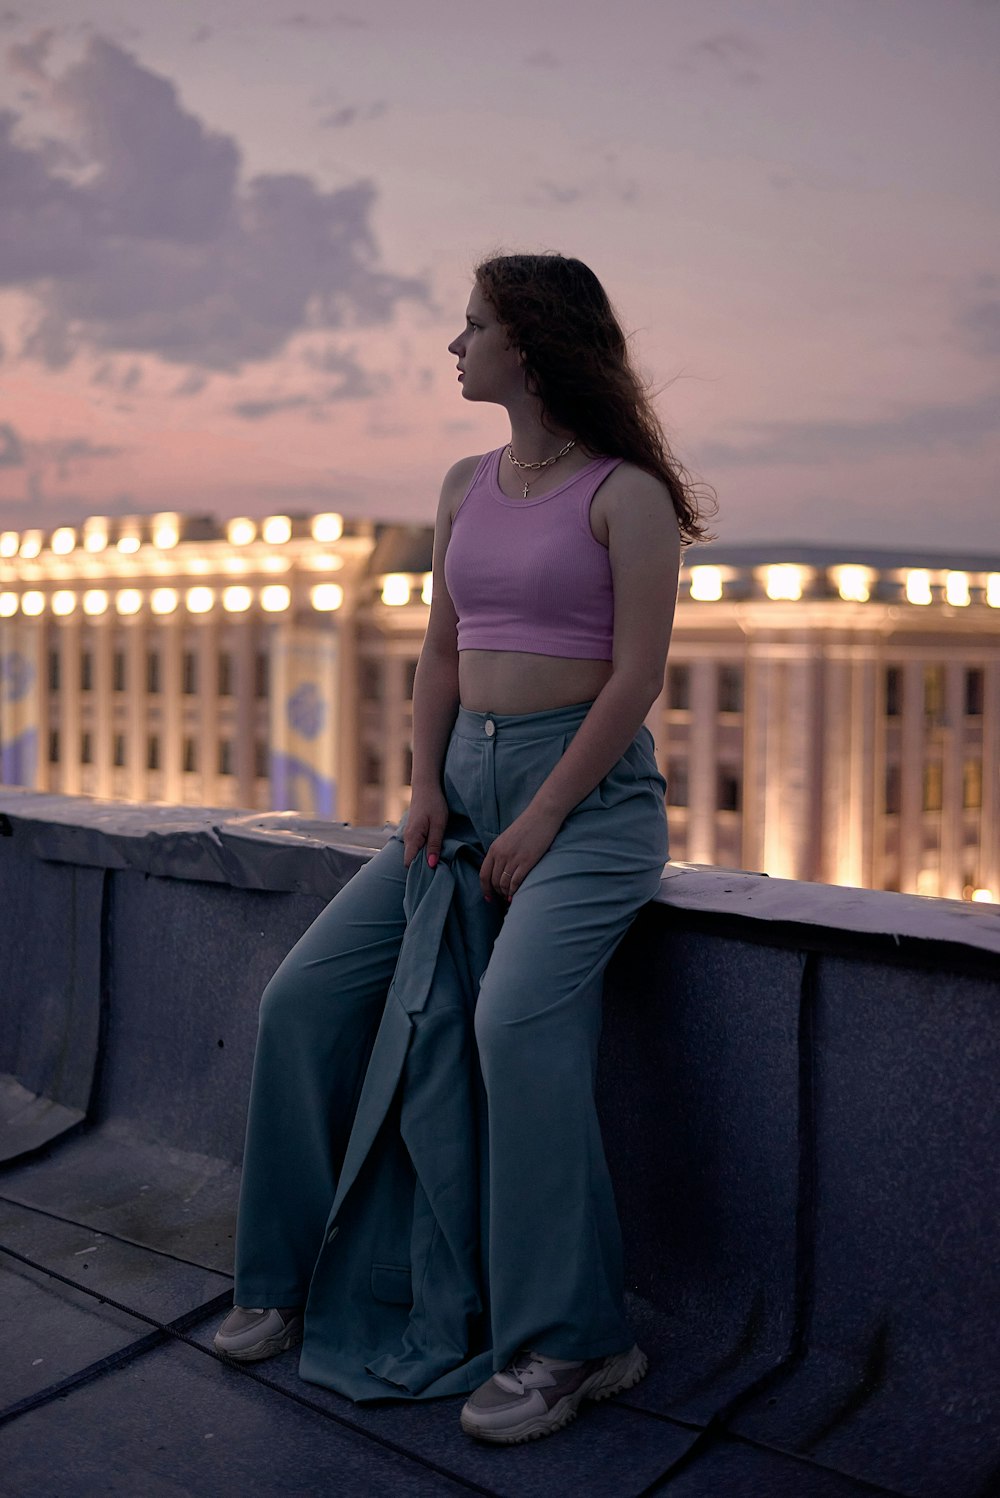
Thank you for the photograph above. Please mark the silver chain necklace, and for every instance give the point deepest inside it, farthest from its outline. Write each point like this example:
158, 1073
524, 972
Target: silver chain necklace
544, 464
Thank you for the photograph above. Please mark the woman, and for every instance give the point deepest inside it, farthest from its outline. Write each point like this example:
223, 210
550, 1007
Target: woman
555, 574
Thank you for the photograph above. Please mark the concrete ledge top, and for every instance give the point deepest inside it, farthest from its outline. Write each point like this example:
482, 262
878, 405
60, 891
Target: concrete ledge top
284, 850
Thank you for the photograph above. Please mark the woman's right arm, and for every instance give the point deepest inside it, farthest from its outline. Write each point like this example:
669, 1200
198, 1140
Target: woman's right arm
435, 689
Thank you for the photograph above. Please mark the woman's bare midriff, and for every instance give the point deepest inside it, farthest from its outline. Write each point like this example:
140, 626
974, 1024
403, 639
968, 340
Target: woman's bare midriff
514, 681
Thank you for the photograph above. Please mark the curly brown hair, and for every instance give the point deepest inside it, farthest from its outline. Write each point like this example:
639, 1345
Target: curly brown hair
576, 360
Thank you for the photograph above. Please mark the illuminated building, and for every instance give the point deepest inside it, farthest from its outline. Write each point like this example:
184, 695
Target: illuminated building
828, 713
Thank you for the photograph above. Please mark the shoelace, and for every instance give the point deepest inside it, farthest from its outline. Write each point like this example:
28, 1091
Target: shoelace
521, 1364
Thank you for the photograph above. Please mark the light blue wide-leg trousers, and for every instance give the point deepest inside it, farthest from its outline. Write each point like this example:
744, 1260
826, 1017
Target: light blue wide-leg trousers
554, 1254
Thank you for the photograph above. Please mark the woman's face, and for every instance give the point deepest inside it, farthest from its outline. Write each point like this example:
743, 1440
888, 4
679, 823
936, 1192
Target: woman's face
491, 367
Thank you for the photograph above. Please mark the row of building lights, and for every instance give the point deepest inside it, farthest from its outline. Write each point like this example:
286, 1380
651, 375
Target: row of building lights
781, 581
274, 598
854, 583
164, 532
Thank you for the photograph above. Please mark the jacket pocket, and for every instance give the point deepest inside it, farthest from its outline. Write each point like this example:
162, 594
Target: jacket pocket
391, 1284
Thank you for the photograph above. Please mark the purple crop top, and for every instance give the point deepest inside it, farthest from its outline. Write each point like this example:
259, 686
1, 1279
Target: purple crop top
527, 574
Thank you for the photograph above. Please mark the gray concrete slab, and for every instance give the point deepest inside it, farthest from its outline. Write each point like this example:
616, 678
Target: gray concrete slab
173, 1425
175, 1201
50, 1331
734, 1469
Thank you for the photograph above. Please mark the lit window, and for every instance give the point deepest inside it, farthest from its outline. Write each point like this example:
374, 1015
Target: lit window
275, 597
395, 589
326, 596
128, 601
327, 527
95, 601
276, 529
240, 532
783, 580
166, 531
918, 586
63, 602
956, 588
163, 600
237, 599
9, 542
972, 783
32, 603
983, 896
934, 691
427, 591
932, 786
63, 540
8, 605
199, 600
128, 544
31, 543
993, 589
854, 583
706, 583
95, 533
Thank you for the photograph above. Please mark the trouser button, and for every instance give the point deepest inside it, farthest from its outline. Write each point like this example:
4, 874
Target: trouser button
490, 728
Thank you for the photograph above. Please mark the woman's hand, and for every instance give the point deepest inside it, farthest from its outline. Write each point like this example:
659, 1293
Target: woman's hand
515, 852
425, 824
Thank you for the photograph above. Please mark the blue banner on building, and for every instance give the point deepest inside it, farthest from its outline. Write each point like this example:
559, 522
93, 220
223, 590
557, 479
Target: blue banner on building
305, 676
18, 719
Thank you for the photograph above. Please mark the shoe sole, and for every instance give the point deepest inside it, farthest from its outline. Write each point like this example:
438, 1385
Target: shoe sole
269, 1348
624, 1373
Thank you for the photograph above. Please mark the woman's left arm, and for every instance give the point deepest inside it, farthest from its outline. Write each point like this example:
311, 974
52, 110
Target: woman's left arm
644, 551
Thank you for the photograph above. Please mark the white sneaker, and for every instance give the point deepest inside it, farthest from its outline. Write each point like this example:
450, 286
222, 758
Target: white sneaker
250, 1335
536, 1395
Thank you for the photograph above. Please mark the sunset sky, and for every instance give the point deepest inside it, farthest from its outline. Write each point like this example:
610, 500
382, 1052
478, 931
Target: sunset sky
236, 238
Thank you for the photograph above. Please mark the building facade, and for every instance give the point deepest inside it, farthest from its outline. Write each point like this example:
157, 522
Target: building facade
828, 713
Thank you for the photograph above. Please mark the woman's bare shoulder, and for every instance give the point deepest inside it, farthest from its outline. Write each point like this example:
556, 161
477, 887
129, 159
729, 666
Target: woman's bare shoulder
456, 483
